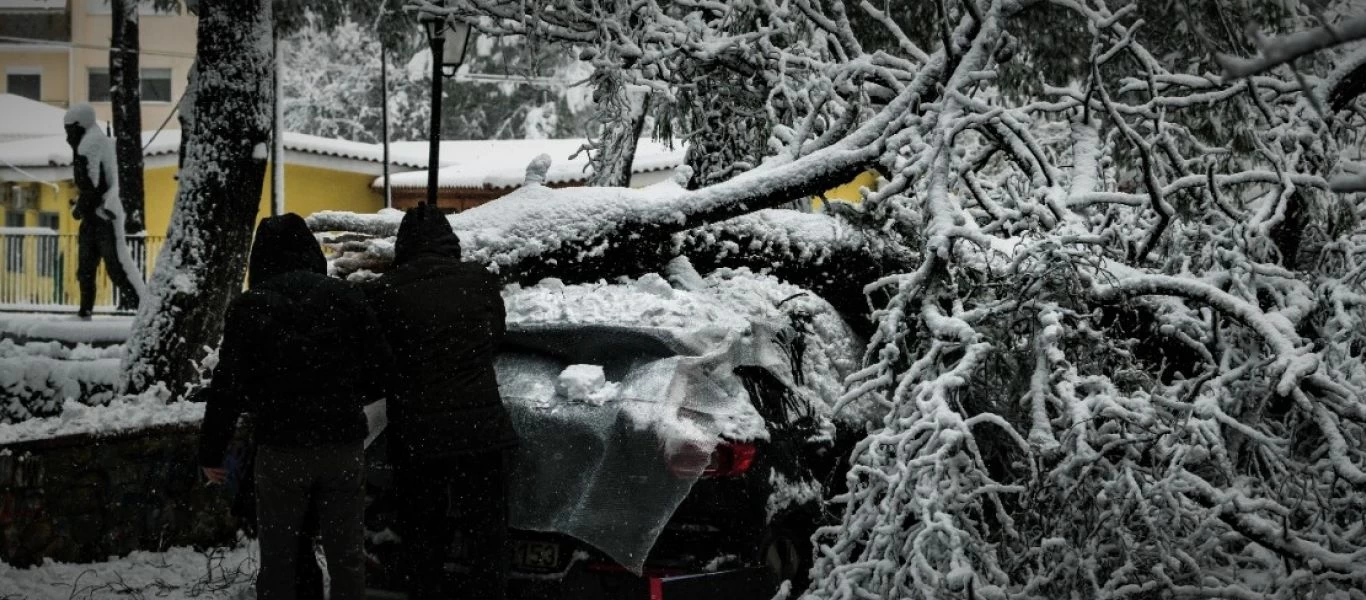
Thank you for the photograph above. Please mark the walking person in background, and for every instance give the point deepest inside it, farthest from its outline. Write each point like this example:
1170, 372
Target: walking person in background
303, 354
449, 435
98, 208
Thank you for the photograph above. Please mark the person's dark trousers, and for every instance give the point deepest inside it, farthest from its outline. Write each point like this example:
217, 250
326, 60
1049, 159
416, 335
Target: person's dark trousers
439, 497
331, 477
96, 242
308, 576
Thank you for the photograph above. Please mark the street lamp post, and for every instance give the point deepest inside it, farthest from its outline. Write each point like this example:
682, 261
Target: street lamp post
448, 40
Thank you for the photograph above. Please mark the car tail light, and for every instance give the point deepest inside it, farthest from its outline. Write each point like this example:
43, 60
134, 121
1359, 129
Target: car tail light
728, 459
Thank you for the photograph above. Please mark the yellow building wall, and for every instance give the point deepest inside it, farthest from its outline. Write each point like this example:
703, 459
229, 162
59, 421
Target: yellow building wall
307, 190
167, 42
158, 193
314, 189
53, 65
848, 192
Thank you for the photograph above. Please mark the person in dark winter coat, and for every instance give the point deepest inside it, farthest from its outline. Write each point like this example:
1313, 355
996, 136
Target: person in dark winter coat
303, 354
96, 183
450, 436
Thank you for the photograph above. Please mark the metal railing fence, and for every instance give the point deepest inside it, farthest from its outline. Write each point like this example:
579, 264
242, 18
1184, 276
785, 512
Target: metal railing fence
38, 269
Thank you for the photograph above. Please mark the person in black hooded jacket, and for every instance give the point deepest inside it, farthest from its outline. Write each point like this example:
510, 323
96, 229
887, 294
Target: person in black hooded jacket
449, 433
303, 354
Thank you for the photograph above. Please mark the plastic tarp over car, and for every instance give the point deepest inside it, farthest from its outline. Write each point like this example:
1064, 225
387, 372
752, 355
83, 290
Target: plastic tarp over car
612, 473
610, 465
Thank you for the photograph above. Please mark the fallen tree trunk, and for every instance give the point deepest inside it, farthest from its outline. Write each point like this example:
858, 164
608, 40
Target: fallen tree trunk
825, 254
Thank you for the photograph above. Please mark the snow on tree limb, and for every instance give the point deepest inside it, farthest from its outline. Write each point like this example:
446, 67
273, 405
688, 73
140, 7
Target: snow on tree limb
1287, 49
1121, 355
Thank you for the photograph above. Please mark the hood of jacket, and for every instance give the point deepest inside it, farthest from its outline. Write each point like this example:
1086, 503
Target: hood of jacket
80, 114
283, 245
425, 231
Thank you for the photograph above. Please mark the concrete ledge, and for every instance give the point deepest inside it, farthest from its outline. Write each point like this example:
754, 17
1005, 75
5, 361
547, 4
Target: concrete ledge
85, 497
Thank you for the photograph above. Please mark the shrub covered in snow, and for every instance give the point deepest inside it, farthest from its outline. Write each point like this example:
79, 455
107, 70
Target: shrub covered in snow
38, 378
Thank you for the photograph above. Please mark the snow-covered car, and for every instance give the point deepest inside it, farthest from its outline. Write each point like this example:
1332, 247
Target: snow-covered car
678, 435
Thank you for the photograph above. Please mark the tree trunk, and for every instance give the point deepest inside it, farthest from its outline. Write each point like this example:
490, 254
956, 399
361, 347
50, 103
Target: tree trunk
223, 160
613, 166
277, 135
125, 96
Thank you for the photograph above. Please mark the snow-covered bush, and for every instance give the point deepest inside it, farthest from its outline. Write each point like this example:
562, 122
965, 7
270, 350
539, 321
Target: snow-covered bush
38, 378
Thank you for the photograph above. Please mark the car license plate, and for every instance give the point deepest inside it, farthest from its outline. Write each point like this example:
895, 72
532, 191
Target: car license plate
535, 556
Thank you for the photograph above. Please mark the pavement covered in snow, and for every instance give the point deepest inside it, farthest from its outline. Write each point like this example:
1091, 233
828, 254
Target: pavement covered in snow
67, 328
176, 574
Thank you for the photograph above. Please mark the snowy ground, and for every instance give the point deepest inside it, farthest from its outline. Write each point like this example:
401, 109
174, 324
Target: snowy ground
220, 573
127, 413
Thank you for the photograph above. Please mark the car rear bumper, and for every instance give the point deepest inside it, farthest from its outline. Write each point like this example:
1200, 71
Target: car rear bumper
584, 584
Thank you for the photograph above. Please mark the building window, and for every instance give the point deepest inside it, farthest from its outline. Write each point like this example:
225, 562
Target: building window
18, 197
24, 82
14, 244
45, 26
155, 84
98, 82
146, 7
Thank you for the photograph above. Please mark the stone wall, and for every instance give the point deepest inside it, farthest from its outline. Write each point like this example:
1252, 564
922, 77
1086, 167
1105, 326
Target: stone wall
85, 498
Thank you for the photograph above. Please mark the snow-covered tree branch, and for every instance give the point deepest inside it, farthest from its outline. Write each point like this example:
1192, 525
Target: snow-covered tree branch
1286, 49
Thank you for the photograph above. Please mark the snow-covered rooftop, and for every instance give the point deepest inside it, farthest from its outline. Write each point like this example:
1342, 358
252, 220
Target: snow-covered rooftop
302, 142
23, 5
24, 118
503, 163
53, 151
